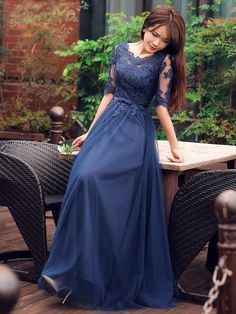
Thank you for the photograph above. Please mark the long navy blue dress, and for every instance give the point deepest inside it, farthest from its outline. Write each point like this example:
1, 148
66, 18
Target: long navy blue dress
110, 246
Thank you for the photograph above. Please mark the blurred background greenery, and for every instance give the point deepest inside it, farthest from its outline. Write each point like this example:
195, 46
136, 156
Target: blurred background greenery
210, 112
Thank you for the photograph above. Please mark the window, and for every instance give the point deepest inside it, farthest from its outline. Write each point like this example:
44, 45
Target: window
134, 7
93, 20
127, 7
227, 8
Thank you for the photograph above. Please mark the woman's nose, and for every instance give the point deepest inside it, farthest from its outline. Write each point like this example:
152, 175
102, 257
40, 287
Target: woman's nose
156, 42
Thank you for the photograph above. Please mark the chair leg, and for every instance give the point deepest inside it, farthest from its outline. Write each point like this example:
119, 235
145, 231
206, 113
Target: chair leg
5, 256
212, 254
35, 238
191, 296
18, 254
55, 214
55, 209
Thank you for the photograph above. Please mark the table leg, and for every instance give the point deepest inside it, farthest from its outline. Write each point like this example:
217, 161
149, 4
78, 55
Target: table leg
231, 164
170, 184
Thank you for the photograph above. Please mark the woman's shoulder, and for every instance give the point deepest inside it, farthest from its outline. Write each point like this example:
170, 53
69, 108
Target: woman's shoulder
120, 46
118, 50
163, 57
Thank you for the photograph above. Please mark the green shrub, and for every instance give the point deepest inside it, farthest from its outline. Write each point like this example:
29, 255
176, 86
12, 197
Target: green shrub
94, 58
211, 49
210, 54
16, 115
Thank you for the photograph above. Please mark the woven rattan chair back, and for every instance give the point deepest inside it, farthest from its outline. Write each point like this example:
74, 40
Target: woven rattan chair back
193, 220
31, 174
43, 158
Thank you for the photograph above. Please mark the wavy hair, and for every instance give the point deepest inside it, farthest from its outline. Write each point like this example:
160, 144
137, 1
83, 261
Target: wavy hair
172, 19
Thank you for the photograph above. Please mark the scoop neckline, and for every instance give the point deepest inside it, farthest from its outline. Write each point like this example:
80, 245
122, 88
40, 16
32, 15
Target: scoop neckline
138, 57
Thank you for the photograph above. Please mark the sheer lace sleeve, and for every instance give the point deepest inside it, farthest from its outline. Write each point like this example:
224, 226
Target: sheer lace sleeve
111, 81
164, 83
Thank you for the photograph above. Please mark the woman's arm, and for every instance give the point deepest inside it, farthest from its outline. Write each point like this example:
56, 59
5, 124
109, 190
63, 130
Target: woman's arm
168, 128
103, 104
109, 91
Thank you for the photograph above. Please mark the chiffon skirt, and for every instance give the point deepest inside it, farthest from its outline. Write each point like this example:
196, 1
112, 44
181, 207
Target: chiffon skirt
110, 247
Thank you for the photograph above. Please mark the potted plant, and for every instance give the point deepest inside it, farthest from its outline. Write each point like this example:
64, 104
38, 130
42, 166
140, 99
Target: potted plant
18, 121
67, 151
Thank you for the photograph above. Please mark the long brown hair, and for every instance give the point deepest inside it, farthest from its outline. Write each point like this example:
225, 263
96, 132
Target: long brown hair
167, 15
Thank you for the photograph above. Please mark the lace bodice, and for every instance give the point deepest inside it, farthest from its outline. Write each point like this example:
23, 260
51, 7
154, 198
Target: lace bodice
139, 79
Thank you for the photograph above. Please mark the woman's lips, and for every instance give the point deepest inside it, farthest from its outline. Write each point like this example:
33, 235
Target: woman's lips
152, 48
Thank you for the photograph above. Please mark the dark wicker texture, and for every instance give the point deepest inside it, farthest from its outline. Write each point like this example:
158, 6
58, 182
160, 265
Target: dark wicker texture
193, 220
32, 180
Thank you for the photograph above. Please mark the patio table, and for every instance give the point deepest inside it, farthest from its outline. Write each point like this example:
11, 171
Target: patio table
197, 157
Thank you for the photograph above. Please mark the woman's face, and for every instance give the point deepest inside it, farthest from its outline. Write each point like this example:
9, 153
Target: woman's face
155, 38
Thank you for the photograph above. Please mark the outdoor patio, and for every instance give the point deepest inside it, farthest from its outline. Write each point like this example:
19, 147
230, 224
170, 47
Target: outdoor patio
33, 301
54, 61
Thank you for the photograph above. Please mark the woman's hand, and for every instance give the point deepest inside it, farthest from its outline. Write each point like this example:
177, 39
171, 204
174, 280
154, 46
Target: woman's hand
168, 127
176, 155
79, 140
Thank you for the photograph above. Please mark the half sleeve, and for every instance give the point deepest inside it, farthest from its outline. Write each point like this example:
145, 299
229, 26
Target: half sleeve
111, 81
164, 83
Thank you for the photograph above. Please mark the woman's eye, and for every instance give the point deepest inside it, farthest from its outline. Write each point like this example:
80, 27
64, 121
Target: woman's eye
155, 34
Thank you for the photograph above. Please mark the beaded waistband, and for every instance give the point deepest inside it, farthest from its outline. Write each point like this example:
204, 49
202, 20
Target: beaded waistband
128, 101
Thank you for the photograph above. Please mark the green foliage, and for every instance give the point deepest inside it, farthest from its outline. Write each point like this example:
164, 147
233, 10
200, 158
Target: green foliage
214, 125
213, 7
211, 51
211, 69
46, 28
16, 115
67, 149
94, 57
78, 118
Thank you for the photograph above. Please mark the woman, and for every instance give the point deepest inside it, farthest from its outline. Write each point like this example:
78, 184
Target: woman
110, 249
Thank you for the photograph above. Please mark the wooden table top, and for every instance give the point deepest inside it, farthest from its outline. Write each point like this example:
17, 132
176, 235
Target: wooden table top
196, 155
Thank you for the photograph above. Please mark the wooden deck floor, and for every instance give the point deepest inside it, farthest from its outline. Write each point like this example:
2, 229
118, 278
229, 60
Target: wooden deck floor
34, 301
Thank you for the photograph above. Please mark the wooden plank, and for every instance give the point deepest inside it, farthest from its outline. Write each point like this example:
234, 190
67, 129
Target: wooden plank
24, 284
27, 290
170, 185
196, 155
34, 301
187, 308
51, 305
31, 298
17, 135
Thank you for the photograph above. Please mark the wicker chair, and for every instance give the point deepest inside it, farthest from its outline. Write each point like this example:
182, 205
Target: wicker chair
32, 180
193, 221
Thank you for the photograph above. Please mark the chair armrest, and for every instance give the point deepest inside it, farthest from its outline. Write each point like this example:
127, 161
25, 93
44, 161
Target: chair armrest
43, 158
21, 192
